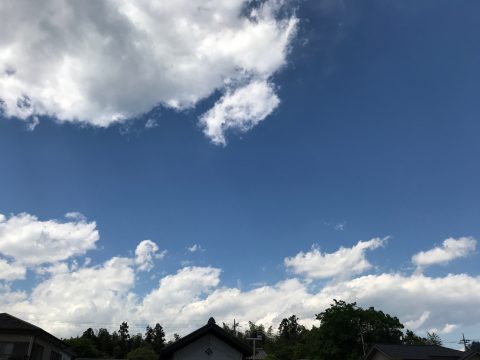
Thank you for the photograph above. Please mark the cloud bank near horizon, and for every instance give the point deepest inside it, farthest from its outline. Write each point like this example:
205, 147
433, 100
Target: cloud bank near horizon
70, 297
104, 62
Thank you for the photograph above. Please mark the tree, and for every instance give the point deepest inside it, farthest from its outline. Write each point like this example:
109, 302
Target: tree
142, 353
158, 338
136, 341
410, 338
104, 341
433, 339
289, 329
83, 347
347, 331
290, 342
89, 334
149, 335
122, 349
474, 346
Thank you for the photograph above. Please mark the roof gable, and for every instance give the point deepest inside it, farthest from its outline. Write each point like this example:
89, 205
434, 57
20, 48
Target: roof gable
210, 328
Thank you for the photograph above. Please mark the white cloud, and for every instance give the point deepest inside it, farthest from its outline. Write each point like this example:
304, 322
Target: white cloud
102, 62
71, 298
31, 241
342, 263
195, 248
151, 123
417, 323
340, 226
67, 301
145, 253
10, 271
451, 249
240, 109
447, 329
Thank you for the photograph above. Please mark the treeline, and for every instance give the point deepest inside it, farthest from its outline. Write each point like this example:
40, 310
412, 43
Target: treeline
120, 344
345, 332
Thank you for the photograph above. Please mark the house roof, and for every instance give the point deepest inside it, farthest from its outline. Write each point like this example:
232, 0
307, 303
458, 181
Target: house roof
471, 355
11, 324
414, 352
210, 328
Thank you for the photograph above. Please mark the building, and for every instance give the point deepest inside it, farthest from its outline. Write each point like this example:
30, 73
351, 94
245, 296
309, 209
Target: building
210, 342
22, 340
418, 352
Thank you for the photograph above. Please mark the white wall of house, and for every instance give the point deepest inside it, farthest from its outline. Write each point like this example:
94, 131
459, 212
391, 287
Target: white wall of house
198, 350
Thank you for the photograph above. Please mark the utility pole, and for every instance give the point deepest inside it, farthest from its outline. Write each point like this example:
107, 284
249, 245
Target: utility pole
235, 326
464, 341
258, 338
360, 327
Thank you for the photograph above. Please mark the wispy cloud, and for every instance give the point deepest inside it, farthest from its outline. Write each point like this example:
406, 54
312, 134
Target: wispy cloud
195, 248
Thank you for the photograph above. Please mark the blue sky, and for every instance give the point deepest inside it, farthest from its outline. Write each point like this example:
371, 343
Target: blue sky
375, 135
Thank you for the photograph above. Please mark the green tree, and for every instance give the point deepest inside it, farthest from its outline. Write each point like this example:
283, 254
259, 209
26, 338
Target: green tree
142, 353
158, 338
289, 329
124, 338
89, 334
346, 331
410, 338
290, 343
136, 341
149, 335
83, 347
433, 339
104, 341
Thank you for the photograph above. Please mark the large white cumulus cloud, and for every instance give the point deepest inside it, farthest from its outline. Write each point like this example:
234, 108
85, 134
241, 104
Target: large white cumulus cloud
100, 62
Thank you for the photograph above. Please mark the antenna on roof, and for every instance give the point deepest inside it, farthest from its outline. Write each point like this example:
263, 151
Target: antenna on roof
464, 341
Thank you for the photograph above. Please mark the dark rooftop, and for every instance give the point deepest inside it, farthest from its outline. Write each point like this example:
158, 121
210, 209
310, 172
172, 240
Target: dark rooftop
416, 352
